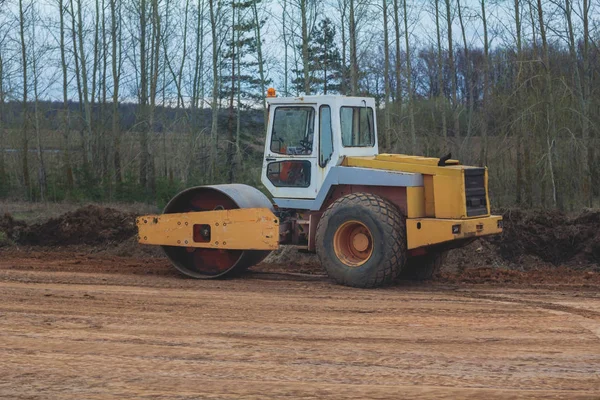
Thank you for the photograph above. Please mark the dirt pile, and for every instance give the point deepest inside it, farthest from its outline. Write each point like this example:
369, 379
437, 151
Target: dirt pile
90, 225
531, 239
10, 229
551, 236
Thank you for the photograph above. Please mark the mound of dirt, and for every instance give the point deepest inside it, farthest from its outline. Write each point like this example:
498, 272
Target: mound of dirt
90, 225
551, 236
11, 228
531, 239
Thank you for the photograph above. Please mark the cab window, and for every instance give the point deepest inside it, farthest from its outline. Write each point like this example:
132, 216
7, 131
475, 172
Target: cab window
325, 136
289, 173
357, 126
293, 130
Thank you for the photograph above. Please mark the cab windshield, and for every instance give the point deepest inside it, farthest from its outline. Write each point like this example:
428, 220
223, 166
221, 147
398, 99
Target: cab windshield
293, 130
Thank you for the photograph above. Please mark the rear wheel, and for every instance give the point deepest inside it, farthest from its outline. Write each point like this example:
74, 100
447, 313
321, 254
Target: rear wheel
361, 241
425, 267
212, 263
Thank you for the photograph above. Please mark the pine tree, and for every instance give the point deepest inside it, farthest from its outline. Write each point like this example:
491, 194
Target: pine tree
325, 61
242, 50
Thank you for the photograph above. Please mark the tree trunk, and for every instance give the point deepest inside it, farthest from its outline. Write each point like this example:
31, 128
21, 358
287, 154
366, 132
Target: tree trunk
96, 140
42, 177
231, 144
66, 120
197, 55
344, 86
238, 149
398, 68
155, 54
305, 39
2, 133
550, 109
353, 50
116, 75
468, 77
386, 77
454, 109
411, 114
285, 53
486, 88
215, 88
519, 126
144, 156
440, 73
84, 80
25, 128
259, 55
78, 81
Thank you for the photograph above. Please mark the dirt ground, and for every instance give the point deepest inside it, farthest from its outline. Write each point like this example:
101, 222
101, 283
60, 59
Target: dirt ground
76, 325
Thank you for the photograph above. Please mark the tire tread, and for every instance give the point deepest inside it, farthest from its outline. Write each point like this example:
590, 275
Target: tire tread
394, 226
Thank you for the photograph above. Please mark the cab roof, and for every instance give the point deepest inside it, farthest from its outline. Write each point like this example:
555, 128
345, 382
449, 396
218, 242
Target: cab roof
321, 99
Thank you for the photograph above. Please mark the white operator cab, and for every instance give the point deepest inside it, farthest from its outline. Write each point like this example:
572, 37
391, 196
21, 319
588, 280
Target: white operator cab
307, 136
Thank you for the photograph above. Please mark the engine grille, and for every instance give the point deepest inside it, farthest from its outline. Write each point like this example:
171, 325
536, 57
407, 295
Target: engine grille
475, 192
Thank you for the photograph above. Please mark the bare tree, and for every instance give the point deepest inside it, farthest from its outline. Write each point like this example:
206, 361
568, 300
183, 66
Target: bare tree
453, 77
352, 33
549, 105
25, 127
84, 79
486, 83
259, 58
519, 132
35, 57
440, 74
409, 88
115, 18
214, 12
386, 75
66, 123
468, 77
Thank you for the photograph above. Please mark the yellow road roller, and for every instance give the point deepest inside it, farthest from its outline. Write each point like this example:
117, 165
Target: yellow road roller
371, 218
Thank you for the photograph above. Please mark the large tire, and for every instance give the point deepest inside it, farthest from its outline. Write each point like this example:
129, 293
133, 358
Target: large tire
361, 241
425, 267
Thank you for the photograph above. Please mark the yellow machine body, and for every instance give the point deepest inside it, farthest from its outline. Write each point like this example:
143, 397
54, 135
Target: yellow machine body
423, 232
443, 192
239, 229
437, 211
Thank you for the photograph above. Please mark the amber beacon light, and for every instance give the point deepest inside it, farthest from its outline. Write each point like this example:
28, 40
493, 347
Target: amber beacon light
271, 92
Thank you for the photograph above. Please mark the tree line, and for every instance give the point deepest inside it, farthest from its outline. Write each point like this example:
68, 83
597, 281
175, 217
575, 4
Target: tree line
135, 99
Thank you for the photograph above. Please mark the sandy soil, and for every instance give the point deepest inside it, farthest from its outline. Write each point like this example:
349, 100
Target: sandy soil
81, 326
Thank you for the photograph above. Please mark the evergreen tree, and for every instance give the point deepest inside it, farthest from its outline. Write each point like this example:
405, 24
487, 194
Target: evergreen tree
240, 50
325, 61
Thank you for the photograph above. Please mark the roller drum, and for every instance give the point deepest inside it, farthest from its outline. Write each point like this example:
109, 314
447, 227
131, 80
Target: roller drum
204, 263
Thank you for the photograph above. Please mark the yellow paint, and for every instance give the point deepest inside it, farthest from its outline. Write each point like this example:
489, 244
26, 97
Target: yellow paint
372, 162
434, 231
429, 196
487, 193
431, 161
449, 194
415, 202
243, 229
444, 187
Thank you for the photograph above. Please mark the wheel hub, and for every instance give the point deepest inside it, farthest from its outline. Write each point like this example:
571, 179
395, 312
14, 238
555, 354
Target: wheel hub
353, 243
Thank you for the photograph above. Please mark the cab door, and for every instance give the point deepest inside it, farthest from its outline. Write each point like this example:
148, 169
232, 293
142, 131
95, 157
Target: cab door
290, 158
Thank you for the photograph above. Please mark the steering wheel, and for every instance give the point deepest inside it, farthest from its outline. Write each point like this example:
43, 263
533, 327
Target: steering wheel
306, 145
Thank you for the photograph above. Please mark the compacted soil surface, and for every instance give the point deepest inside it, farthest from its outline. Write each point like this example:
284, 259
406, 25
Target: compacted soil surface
76, 325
